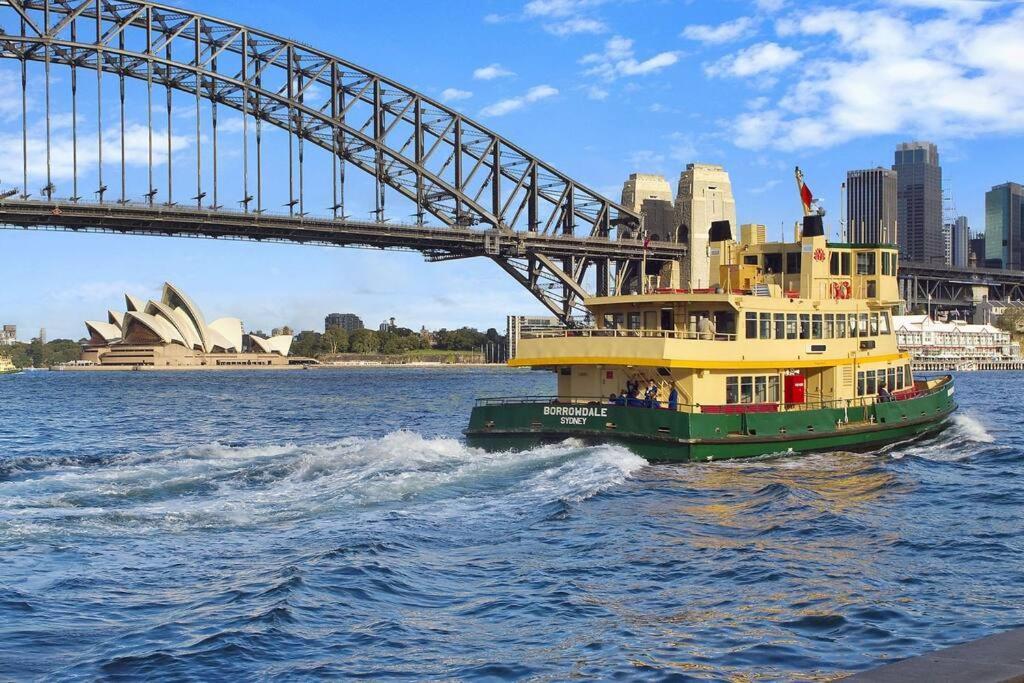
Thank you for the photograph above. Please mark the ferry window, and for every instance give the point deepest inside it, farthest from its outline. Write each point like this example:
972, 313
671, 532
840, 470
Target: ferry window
860, 383
791, 326
890, 378
746, 389
725, 322
872, 289
884, 323
874, 324
760, 390
620, 320
773, 389
634, 321
830, 326
833, 263
780, 325
773, 263
609, 321
816, 326
750, 260
840, 326
751, 326
844, 260
765, 323
853, 325
862, 324
805, 326
870, 386
667, 319
910, 377
793, 263
865, 263
886, 270
732, 389
898, 378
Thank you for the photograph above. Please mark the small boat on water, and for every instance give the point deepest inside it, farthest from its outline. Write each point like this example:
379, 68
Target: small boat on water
791, 350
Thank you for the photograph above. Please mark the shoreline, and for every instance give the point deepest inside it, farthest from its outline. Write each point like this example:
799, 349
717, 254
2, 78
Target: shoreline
340, 365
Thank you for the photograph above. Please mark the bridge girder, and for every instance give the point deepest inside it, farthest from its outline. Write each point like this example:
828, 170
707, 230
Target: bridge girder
448, 165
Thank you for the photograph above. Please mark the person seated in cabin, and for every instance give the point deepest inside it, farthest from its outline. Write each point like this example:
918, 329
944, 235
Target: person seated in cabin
673, 399
884, 396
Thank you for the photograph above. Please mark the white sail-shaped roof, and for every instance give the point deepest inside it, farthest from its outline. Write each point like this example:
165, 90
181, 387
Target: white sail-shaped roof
134, 303
102, 332
231, 330
158, 327
115, 318
178, 320
281, 344
177, 299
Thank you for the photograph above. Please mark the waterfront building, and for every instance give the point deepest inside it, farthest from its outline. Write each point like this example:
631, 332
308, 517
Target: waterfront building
350, 322
1004, 227
642, 186
173, 332
955, 345
991, 313
871, 206
919, 202
960, 243
8, 335
704, 196
518, 325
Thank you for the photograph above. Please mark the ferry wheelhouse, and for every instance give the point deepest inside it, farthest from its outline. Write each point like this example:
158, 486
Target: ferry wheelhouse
792, 350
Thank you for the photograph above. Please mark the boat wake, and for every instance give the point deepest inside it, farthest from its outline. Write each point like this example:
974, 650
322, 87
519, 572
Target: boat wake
216, 486
965, 437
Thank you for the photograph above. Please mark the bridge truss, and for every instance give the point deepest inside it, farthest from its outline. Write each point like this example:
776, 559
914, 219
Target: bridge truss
469, 191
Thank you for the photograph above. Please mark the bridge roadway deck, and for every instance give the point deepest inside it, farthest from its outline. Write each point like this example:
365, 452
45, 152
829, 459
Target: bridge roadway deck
142, 219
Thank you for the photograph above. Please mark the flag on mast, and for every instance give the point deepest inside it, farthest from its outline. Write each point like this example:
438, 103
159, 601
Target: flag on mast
806, 197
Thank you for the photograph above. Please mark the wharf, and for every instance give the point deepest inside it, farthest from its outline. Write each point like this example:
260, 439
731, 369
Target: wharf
995, 659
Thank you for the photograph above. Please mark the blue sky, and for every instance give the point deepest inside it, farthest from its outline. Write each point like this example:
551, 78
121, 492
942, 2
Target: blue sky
600, 89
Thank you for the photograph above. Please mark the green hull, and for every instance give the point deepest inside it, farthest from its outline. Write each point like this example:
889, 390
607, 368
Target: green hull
668, 435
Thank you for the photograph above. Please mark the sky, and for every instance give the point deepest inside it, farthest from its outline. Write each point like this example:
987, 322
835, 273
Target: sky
597, 88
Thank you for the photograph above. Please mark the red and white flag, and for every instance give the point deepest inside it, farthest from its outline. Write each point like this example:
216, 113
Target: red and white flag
805, 196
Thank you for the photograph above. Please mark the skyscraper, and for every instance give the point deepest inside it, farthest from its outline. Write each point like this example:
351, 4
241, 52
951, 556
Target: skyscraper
1004, 227
871, 206
960, 243
919, 202
346, 321
704, 196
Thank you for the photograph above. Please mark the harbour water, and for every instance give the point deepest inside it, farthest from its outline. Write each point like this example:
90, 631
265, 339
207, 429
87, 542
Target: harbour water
333, 524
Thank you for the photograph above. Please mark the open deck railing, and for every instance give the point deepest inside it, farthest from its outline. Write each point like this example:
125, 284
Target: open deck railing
629, 334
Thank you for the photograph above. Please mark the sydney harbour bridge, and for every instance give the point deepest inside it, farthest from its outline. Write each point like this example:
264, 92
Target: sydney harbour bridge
246, 135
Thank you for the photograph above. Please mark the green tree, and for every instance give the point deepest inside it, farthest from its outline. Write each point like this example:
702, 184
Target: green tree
61, 351
363, 341
335, 340
307, 343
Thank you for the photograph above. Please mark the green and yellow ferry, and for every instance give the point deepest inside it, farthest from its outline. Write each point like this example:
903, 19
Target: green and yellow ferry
793, 350
7, 367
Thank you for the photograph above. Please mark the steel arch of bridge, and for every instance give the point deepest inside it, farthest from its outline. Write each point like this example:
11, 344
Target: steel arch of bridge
466, 176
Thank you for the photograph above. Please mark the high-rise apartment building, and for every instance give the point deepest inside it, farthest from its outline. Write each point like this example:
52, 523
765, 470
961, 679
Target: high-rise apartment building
518, 325
919, 202
8, 335
704, 196
871, 206
1004, 227
960, 243
346, 321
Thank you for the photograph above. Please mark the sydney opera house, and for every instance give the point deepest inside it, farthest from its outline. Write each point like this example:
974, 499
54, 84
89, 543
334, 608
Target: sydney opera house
171, 333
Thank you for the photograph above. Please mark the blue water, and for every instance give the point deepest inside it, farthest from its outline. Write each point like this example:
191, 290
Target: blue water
333, 524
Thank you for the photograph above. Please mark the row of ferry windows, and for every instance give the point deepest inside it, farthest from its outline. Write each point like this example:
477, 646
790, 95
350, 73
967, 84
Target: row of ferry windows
815, 325
868, 381
752, 389
839, 262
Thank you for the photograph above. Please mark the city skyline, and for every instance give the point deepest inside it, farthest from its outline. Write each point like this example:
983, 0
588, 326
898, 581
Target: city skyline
630, 76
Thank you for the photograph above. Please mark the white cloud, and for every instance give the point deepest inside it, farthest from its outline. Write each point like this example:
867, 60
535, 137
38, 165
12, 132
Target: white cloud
722, 33
970, 8
506, 106
558, 8
618, 60
491, 72
756, 59
576, 25
770, 5
596, 93
454, 94
493, 18
955, 74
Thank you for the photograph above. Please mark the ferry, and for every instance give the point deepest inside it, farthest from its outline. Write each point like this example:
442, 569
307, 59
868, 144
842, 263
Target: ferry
792, 350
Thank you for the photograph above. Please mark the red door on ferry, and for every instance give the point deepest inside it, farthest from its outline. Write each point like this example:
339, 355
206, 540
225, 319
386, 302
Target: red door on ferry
796, 388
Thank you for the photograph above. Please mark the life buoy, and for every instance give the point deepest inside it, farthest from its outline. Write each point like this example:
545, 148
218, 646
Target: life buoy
845, 290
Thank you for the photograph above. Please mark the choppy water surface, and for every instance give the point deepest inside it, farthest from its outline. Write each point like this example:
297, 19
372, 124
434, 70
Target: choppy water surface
333, 523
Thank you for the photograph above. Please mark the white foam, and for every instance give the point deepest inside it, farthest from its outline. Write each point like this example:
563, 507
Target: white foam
218, 485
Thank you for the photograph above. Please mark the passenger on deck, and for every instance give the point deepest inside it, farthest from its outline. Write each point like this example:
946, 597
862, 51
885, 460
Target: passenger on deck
673, 399
651, 395
883, 393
